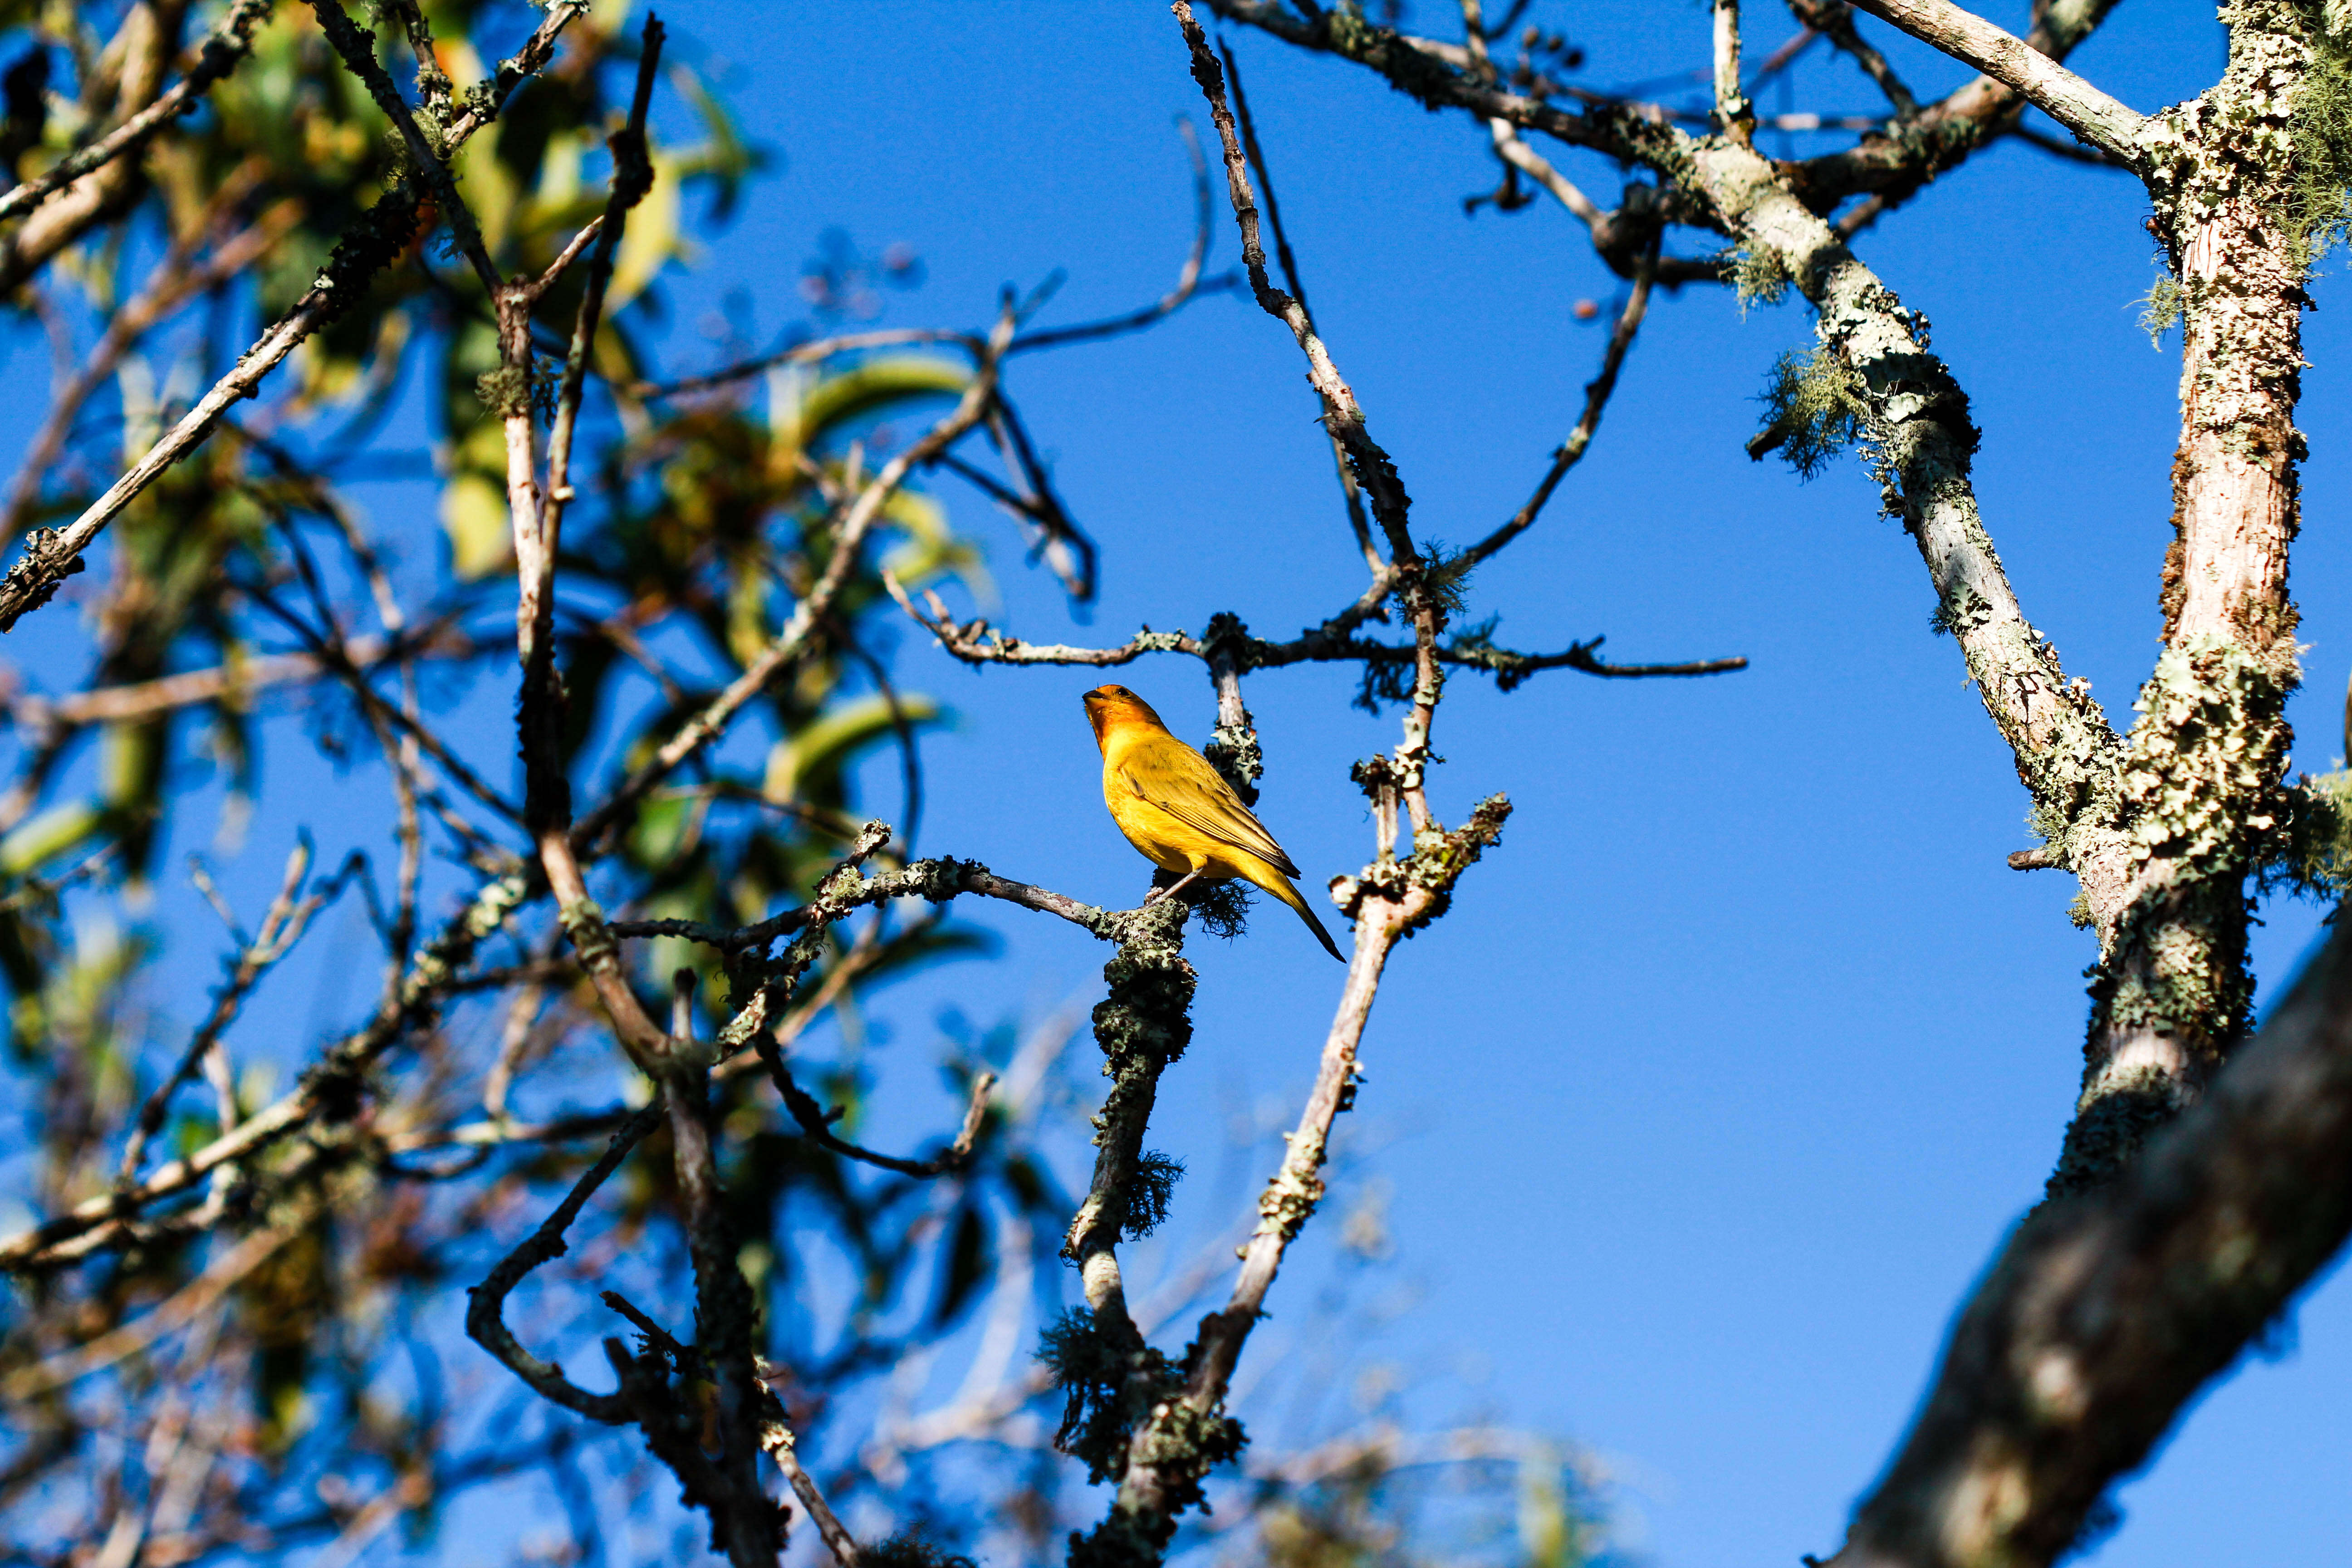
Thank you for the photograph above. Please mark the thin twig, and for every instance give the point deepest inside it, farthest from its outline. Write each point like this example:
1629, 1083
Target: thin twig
484, 1312
1596, 398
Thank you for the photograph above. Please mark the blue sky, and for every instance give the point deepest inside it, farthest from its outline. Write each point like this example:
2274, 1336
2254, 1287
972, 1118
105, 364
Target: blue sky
1727, 1072
1723, 1079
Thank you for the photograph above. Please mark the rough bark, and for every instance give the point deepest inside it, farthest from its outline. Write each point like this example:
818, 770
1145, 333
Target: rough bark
2201, 777
2108, 1311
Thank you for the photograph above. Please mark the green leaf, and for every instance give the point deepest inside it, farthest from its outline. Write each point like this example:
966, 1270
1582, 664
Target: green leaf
48, 836
818, 753
801, 411
481, 531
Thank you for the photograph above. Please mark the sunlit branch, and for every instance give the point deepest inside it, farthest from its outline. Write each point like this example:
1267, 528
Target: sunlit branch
2102, 121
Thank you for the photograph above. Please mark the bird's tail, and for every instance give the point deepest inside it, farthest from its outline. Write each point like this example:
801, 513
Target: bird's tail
1282, 888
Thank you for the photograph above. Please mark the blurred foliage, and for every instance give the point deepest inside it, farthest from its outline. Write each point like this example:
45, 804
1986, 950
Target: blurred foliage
317, 1390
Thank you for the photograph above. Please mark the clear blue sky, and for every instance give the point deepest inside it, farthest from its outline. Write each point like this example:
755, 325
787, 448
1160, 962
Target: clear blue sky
1725, 1075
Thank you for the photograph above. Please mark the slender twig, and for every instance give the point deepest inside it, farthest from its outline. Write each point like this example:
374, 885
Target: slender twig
485, 1311
173, 283
289, 916
233, 683
789, 645
1596, 398
1834, 20
1188, 278
333, 656
191, 1302
814, 353
1351, 494
816, 1125
110, 1217
777, 1438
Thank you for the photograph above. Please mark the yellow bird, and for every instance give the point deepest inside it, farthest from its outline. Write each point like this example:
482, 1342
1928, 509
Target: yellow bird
1177, 811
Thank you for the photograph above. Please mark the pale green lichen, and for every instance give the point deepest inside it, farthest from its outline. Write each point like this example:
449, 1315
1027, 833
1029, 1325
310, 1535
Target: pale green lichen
2199, 802
1815, 409
2312, 856
2160, 309
2200, 773
2319, 199
1758, 277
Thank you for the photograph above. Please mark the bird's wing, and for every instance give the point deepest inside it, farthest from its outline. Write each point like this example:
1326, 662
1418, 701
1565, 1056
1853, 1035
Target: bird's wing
1179, 782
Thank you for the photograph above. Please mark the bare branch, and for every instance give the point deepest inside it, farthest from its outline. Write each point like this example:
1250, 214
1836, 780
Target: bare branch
192, 1301
356, 45
849, 538
51, 555
173, 285
485, 1311
111, 1217
1733, 113
1596, 398
1188, 278
2104, 121
228, 683
1351, 494
1833, 19
289, 916
816, 1124
777, 1438
804, 354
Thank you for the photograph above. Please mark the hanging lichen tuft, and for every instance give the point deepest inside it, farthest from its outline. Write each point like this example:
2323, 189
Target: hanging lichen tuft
2319, 201
1813, 411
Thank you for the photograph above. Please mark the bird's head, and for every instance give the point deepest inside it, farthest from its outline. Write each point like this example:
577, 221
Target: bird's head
1111, 708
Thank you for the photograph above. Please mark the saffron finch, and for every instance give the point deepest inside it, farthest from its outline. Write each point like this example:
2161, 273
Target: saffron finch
1177, 813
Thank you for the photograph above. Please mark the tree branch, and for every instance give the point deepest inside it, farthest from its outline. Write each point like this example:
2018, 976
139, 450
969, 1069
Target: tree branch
2106, 123
2105, 1313
223, 48
486, 1307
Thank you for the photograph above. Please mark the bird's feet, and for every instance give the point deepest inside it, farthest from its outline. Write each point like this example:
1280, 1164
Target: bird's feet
1169, 891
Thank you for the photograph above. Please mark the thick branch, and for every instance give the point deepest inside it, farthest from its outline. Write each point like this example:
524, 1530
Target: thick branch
2107, 1312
